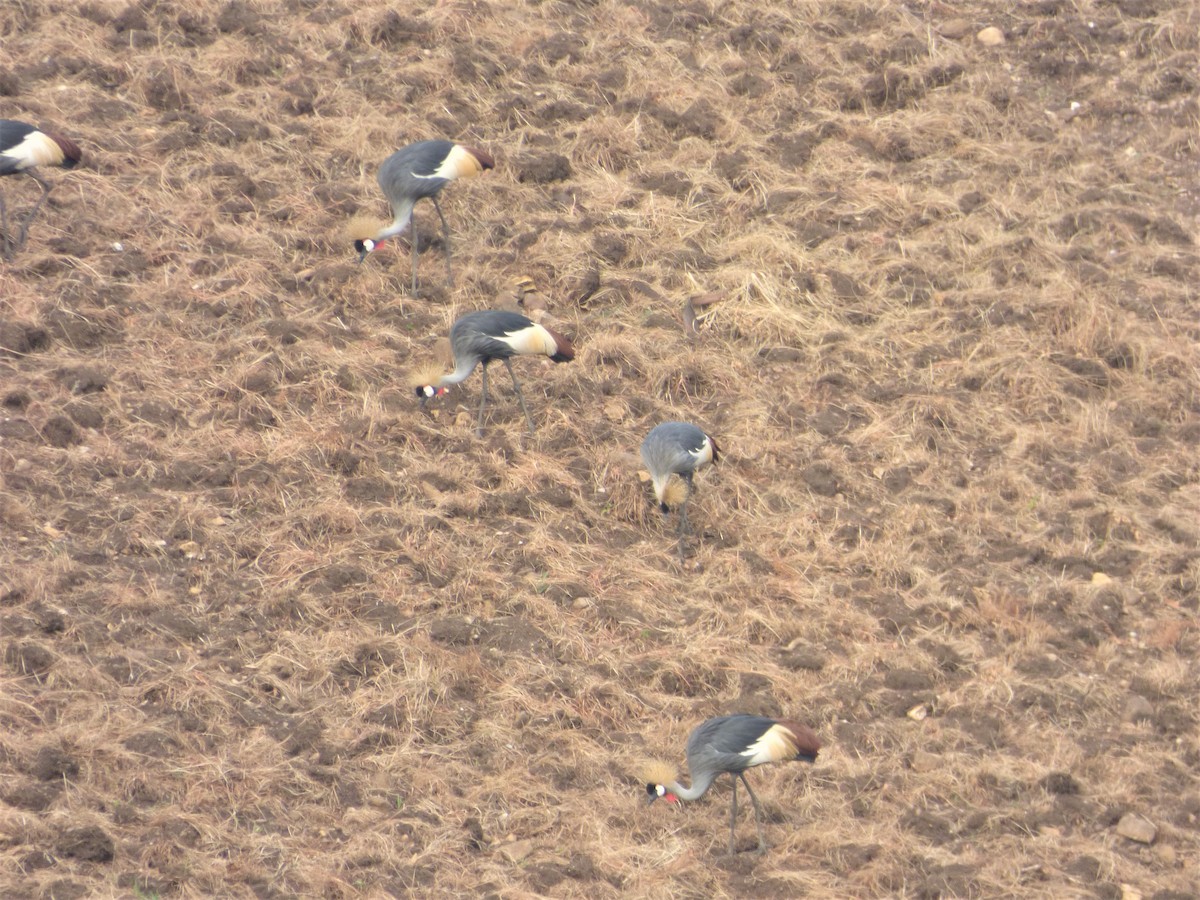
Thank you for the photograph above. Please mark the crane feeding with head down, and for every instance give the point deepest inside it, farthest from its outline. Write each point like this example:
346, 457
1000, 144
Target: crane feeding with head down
413, 173
677, 449
23, 149
479, 338
733, 744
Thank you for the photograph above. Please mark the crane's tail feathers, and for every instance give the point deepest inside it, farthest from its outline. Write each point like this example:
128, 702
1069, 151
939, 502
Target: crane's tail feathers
70, 150
564, 349
485, 159
804, 739
716, 451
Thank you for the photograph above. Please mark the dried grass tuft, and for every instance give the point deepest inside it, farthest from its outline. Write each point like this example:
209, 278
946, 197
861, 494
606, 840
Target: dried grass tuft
254, 599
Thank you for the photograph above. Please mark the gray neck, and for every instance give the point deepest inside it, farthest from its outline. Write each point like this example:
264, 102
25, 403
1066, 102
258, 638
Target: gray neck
402, 215
464, 368
700, 785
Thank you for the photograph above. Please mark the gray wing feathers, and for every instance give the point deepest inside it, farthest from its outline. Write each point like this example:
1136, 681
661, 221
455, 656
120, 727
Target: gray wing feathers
471, 335
718, 744
671, 447
398, 171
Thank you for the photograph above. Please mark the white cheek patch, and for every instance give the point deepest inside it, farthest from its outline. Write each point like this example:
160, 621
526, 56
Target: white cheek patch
368, 245
429, 391
660, 790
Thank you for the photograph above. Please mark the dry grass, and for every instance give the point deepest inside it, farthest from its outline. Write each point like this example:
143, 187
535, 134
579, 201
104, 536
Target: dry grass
268, 630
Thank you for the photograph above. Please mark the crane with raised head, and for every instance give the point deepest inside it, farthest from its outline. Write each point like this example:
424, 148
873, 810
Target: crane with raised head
677, 449
731, 745
23, 148
479, 338
413, 173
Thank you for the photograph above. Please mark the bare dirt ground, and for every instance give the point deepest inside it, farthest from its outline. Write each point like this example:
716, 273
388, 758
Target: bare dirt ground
267, 631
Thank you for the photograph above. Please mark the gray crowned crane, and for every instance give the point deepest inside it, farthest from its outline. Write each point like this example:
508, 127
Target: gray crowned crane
479, 338
733, 744
413, 173
677, 448
22, 149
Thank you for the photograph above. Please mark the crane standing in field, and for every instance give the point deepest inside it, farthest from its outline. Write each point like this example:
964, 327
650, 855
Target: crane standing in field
733, 744
677, 448
482, 337
413, 173
22, 149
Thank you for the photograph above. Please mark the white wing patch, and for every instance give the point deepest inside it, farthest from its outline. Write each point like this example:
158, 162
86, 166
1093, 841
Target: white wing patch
459, 163
703, 456
35, 150
530, 340
775, 744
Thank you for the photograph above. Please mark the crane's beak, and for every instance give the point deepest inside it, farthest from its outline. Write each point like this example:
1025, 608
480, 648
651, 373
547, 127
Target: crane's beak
364, 247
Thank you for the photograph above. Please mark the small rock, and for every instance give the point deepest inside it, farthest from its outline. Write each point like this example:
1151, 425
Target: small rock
1166, 854
924, 761
516, 851
955, 29
1137, 709
1100, 579
1137, 828
919, 712
991, 36
614, 411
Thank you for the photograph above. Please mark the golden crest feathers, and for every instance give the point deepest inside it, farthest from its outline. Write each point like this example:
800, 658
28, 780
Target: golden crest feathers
655, 771
428, 374
360, 228
675, 492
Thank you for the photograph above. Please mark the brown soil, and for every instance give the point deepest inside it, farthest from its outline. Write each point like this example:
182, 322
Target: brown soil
267, 631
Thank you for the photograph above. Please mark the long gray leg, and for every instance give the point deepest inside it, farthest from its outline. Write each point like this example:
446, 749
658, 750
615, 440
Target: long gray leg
4, 248
733, 814
683, 529
446, 240
46, 188
762, 844
413, 234
520, 396
482, 404
683, 520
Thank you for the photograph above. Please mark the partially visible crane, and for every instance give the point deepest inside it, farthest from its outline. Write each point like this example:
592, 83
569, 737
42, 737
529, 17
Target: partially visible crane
482, 337
413, 173
22, 149
731, 745
677, 448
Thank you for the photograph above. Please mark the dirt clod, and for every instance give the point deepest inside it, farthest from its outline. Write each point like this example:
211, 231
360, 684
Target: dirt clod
88, 843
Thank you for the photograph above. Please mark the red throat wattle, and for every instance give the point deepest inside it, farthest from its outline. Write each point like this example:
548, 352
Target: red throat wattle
670, 798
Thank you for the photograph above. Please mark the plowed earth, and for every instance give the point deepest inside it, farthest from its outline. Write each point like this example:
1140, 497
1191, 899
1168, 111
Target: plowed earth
269, 631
